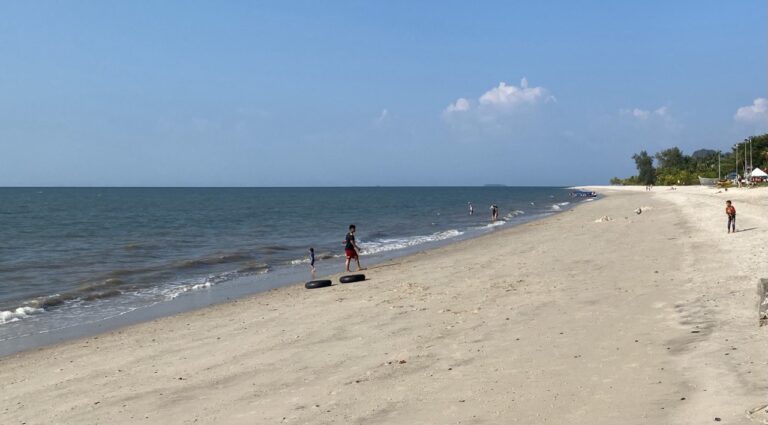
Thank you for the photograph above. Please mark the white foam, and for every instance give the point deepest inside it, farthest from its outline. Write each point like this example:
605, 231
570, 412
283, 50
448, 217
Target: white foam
562, 204
514, 214
494, 224
200, 286
383, 245
556, 207
177, 289
18, 314
301, 261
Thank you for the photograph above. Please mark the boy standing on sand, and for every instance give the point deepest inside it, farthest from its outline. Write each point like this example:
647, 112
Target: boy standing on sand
730, 211
351, 249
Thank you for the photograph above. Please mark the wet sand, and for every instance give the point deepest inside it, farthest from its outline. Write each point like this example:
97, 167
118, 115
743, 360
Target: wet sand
636, 319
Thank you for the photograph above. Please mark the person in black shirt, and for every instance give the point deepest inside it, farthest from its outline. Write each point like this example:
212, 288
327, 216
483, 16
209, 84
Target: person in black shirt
494, 212
312, 261
351, 249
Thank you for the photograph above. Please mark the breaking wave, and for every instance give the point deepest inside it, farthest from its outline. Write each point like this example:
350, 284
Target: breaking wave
17, 314
391, 244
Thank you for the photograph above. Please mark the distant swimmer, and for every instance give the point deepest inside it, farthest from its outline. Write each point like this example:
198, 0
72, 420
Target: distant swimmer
471, 208
351, 249
730, 211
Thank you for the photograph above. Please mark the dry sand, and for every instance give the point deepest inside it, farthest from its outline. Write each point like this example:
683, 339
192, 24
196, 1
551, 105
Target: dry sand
643, 319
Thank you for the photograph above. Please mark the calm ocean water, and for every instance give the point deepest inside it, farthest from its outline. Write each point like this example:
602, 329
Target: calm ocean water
76, 256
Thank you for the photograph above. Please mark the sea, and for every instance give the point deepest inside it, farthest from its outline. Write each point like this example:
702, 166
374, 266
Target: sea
78, 261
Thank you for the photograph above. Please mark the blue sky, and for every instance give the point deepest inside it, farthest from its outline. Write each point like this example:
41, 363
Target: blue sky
285, 93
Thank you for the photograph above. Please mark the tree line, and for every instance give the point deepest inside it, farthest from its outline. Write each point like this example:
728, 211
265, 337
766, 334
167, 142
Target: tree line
673, 167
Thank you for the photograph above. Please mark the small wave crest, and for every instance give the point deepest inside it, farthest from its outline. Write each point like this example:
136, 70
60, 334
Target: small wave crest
391, 244
102, 295
318, 256
113, 287
495, 224
214, 260
52, 300
107, 283
175, 290
18, 314
253, 267
514, 214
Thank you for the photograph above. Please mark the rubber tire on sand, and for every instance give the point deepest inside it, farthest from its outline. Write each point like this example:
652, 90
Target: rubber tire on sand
313, 284
352, 278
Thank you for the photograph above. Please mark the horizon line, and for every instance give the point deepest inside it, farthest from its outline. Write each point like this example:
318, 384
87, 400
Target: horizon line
279, 187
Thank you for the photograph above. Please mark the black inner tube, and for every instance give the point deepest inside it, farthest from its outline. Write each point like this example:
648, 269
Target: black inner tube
312, 284
352, 278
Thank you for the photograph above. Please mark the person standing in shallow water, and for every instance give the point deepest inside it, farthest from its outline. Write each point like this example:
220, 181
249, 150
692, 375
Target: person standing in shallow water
730, 211
471, 208
351, 250
312, 262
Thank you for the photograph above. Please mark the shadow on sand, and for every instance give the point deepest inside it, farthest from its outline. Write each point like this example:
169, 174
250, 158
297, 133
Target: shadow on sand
746, 230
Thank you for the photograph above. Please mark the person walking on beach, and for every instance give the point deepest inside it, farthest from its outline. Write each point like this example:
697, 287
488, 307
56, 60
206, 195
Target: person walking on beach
730, 211
312, 261
351, 249
471, 208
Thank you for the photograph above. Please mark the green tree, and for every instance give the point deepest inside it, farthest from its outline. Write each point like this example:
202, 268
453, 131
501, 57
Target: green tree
646, 174
674, 167
703, 162
671, 158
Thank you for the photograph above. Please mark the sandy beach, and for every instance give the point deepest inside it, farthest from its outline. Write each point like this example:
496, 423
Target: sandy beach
597, 315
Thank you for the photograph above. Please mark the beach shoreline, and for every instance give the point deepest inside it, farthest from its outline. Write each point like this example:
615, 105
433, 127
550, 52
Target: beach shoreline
571, 318
246, 241
202, 294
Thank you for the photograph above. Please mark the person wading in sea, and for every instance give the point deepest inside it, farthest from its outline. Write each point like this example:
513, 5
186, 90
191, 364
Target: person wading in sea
351, 249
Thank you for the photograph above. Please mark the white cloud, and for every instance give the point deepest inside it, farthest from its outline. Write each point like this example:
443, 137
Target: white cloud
756, 113
499, 100
460, 105
659, 124
642, 114
382, 117
510, 96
